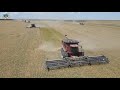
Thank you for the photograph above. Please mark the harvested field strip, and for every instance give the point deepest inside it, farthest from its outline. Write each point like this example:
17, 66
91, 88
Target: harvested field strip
23, 51
51, 35
51, 42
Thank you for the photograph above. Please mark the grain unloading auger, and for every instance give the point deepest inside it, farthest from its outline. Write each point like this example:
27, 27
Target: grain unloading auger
73, 56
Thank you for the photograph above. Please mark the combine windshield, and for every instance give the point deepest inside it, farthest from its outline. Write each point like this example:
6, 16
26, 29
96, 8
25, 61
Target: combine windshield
74, 50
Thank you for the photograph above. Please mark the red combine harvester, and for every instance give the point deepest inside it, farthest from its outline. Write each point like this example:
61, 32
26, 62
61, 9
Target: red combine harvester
71, 48
73, 55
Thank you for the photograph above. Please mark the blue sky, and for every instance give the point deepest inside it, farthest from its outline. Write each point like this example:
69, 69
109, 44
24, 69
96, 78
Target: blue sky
65, 15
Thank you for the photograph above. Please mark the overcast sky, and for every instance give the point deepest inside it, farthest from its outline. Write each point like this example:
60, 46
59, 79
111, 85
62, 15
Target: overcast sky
64, 15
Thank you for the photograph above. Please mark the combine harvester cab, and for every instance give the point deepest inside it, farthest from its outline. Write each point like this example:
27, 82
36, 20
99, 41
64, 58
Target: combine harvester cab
73, 56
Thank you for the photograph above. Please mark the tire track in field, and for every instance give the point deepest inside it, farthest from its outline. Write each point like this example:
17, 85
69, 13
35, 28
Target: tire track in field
21, 59
36, 65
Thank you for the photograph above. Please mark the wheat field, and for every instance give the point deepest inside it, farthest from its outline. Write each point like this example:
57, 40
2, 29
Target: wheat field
23, 51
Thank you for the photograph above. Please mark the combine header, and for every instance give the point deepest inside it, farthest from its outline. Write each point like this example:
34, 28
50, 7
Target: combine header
73, 56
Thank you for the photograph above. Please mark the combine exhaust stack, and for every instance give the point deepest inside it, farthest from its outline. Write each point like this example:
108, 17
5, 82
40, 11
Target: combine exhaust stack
74, 56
